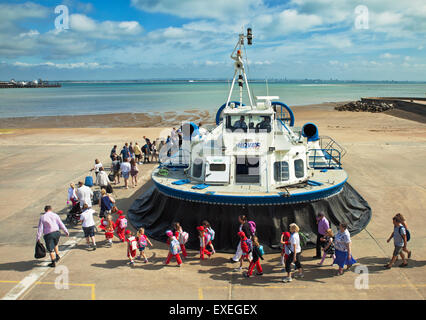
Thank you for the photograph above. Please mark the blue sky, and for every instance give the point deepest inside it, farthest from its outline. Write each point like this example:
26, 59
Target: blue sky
153, 39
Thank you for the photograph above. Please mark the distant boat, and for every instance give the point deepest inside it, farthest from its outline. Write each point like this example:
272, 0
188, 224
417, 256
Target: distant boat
191, 81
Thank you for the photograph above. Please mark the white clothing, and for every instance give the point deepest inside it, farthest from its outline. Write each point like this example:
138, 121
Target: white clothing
295, 240
341, 240
102, 179
72, 194
87, 218
97, 166
125, 167
85, 194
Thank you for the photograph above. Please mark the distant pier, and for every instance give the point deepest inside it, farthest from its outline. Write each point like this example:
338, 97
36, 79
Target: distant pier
30, 84
412, 108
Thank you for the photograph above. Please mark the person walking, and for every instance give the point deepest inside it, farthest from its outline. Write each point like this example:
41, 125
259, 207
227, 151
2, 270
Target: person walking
143, 242
343, 249
97, 166
295, 252
174, 249
72, 195
121, 225
134, 172
328, 246
204, 239
106, 202
84, 194
244, 227
115, 167
48, 226
125, 172
138, 153
102, 179
399, 236
404, 224
323, 226
108, 225
257, 255
88, 224
125, 154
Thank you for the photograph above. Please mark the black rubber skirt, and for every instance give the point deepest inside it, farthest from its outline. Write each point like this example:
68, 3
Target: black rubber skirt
156, 212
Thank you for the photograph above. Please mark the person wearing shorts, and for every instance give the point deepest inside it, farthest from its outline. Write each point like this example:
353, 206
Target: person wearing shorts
399, 236
49, 225
125, 172
88, 226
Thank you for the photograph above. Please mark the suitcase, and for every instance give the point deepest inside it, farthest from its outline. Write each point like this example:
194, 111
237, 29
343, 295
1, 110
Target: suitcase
88, 181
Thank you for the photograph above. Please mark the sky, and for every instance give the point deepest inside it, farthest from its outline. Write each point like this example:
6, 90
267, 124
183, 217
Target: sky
193, 39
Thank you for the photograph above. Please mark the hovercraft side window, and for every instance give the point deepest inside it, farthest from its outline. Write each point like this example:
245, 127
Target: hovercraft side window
281, 172
252, 123
197, 168
217, 167
299, 168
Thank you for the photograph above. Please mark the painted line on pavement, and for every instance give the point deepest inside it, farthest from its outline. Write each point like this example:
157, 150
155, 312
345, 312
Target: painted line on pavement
16, 292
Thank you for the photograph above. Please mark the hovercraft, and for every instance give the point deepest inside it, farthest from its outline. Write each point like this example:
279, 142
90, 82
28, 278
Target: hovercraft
256, 162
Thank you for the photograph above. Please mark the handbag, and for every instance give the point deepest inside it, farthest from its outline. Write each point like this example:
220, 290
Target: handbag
40, 250
109, 188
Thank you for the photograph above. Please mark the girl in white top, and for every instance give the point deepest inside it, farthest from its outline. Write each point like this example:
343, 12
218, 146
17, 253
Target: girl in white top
295, 251
72, 194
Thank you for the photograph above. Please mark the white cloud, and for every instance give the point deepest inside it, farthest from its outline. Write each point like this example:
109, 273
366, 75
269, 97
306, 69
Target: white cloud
76, 65
388, 55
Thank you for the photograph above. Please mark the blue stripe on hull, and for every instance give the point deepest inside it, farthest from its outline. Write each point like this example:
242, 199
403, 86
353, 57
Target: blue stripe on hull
253, 200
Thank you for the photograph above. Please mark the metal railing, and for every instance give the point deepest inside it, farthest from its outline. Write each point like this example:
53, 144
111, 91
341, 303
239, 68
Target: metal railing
327, 142
324, 158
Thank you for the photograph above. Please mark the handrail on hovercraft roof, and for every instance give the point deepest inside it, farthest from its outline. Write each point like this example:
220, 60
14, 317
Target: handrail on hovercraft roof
290, 112
223, 106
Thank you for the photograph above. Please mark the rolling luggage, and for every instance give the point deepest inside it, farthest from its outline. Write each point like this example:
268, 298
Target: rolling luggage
88, 181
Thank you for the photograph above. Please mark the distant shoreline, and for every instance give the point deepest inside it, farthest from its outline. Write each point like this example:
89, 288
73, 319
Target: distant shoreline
126, 120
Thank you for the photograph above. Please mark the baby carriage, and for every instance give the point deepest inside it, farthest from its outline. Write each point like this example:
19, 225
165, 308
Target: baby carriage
73, 216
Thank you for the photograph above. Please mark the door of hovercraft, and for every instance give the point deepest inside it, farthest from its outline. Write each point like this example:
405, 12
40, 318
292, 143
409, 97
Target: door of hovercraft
217, 169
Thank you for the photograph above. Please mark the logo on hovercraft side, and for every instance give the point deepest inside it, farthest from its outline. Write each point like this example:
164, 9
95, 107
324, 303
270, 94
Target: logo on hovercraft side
248, 145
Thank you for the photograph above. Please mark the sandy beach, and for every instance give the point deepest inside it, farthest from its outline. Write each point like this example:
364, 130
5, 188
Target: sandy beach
39, 157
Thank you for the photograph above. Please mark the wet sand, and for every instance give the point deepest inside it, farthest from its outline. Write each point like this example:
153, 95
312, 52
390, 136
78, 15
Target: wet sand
385, 162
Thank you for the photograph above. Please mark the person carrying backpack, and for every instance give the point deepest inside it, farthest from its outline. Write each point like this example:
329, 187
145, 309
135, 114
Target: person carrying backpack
204, 239
174, 249
212, 234
181, 236
399, 236
132, 247
257, 255
121, 225
246, 228
143, 242
246, 248
404, 224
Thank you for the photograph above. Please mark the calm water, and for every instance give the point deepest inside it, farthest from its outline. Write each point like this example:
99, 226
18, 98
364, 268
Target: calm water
99, 98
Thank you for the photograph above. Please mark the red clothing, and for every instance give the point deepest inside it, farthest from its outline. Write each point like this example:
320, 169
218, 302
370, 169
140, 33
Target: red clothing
177, 257
109, 234
120, 231
130, 250
251, 267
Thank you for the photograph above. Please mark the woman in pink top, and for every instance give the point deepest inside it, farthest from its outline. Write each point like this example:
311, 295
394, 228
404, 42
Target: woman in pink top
49, 226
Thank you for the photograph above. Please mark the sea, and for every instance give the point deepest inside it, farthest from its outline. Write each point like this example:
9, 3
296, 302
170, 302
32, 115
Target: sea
88, 98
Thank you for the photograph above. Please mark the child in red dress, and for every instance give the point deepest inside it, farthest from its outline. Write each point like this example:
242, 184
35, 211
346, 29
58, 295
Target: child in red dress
121, 225
204, 239
257, 255
108, 225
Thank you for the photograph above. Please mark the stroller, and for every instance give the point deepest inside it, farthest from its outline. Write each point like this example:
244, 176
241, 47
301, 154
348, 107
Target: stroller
73, 216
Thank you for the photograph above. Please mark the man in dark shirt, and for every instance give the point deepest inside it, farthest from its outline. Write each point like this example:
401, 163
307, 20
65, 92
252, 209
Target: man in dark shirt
240, 124
125, 154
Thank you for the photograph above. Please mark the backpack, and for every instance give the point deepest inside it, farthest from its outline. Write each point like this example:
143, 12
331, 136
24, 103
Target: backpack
133, 244
123, 223
252, 225
175, 247
262, 252
407, 233
211, 232
249, 244
207, 237
142, 241
183, 237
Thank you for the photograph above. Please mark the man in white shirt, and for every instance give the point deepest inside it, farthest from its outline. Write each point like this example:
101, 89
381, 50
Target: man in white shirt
125, 172
97, 166
102, 179
84, 194
88, 225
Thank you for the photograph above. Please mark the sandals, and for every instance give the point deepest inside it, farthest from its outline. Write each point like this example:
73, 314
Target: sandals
387, 266
402, 265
